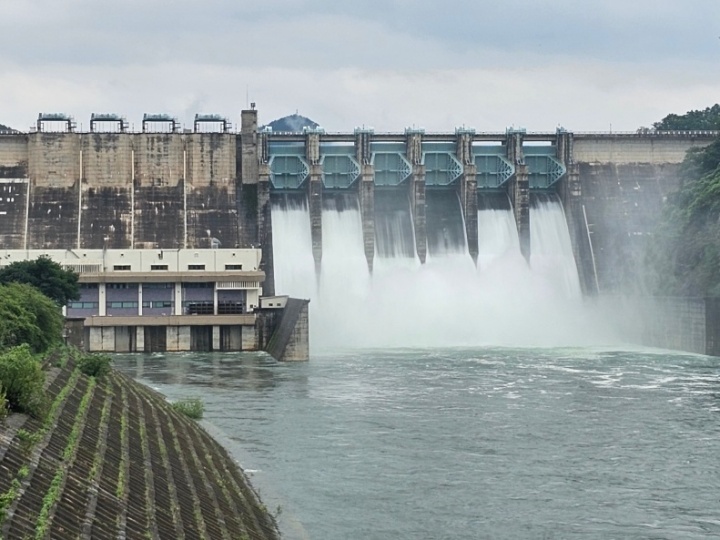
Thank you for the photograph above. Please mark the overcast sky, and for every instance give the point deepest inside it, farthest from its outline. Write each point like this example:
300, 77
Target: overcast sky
387, 64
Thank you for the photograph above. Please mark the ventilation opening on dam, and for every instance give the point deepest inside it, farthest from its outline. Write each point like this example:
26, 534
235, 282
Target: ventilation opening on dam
449, 300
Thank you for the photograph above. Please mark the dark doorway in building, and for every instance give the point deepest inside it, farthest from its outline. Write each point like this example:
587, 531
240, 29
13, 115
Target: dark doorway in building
155, 338
201, 338
230, 338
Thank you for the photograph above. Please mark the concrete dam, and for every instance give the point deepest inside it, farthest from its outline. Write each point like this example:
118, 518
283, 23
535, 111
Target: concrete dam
322, 199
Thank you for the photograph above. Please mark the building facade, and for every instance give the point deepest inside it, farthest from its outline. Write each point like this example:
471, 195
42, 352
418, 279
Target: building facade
135, 300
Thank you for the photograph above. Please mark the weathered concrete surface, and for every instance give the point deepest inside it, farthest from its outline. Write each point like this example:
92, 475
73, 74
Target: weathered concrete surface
212, 215
315, 204
53, 217
624, 204
159, 190
13, 156
367, 212
106, 203
623, 149
249, 338
290, 339
249, 147
570, 192
211, 190
54, 170
519, 190
54, 159
106, 218
178, 339
676, 323
107, 159
13, 208
467, 188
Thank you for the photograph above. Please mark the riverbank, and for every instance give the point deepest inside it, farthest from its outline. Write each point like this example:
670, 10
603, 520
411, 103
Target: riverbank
113, 459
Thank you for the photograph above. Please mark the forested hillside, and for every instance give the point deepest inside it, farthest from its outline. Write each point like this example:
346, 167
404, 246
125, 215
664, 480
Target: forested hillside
684, 253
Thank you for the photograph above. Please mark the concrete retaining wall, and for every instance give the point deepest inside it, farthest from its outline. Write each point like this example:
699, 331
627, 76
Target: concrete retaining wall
676, 323
622, 149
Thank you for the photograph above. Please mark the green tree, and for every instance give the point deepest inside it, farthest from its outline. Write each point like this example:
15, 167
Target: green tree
708, 119
28, 317
685, 250
47, 276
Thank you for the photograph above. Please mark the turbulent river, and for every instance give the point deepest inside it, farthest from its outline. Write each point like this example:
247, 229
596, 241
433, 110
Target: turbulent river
461, 443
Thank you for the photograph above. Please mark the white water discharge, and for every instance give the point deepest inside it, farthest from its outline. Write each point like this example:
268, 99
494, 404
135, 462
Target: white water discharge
497, 236
551, 251
292, 249
446, 302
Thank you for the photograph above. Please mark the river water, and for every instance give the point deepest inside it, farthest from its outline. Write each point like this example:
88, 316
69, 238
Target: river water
459, 443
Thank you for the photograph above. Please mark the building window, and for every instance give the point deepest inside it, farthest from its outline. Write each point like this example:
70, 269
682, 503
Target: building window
158, 267
122, 305
198, 308
119, 267
233, 267
158, 286
201, 285
119, 285
231, 308
157, 304
83, 305
196, 267
88, 285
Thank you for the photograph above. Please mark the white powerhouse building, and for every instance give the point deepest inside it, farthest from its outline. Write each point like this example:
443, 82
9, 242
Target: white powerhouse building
162, 299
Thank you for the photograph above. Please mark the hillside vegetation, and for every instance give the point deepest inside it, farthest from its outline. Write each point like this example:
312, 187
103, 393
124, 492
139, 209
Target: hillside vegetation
110, 458
684, 253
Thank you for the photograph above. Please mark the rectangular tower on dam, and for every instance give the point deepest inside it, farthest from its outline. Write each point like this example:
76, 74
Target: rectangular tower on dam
211, 190
160, 172
106, 203
54, 170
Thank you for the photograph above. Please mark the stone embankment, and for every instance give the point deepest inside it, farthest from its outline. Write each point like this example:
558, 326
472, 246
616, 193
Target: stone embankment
112, 459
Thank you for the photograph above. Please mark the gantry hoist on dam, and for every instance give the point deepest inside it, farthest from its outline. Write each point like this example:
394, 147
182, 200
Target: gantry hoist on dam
419, 167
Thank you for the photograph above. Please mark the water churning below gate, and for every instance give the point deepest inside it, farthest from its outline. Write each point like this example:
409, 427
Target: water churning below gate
449, 300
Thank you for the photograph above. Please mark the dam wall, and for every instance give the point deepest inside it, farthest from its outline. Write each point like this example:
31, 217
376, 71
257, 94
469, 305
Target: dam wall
118, 190
623, 149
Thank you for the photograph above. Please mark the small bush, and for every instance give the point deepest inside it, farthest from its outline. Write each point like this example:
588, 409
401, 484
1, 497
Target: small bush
22, 379
94, 365
192, 408
28, 440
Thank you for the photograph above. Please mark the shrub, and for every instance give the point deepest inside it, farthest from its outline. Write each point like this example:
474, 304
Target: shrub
94, 365
192, 408
22, 379
28, 439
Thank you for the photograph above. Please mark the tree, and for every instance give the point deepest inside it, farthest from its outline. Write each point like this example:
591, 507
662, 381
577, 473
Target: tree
685, 250
708, 119
47, 276
28, 317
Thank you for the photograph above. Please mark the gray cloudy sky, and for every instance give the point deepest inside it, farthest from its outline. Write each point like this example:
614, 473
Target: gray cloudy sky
388, 64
